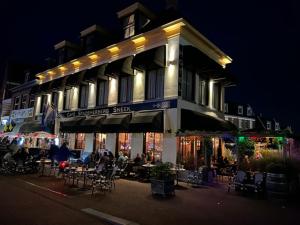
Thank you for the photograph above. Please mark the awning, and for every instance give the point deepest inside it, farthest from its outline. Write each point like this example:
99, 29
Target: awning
30, 127
89, 125
151, 59
91, 75
120, 66
75, 79
147, 122
195, 121
70, 125
116, 123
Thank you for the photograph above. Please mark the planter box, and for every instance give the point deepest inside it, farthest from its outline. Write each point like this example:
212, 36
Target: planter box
163, 187
277, 186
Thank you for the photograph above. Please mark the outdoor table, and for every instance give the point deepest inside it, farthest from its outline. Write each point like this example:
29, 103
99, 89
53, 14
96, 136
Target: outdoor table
177, 173
43, 162
84, 171
73, 172
148, 166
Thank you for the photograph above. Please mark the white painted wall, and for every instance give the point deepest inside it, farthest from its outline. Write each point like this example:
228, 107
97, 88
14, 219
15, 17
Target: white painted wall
171, 72
113, 91
92, 95
170, 120
111, 142
60, 101
38, 100
136, 144
139, 86
75, 98
89, 142
169, 148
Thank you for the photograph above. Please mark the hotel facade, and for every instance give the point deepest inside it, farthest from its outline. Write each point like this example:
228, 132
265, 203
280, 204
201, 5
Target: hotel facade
159, 91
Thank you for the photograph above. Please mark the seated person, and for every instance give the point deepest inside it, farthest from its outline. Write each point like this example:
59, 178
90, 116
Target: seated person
137, 160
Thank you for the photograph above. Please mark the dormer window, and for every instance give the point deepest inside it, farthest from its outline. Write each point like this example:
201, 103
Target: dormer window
129, 23
249, 111
268, 125
240, 110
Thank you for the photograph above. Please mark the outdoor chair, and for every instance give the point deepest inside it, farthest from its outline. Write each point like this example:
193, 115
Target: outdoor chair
183, 176
194, 178
105, 182
257, 185
238, 181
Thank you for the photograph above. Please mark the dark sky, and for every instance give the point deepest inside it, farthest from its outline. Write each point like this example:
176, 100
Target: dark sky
262, 37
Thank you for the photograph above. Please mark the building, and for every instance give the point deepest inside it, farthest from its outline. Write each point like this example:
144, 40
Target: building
159, 90
241, 115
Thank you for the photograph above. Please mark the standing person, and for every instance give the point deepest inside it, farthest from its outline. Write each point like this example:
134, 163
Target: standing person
63, 153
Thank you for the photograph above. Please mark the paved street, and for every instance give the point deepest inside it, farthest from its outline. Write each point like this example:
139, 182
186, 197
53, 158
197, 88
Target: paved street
21, 204
33, 200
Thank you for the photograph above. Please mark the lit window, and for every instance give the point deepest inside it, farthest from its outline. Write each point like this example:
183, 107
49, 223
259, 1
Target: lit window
125, 144
79, 141
129, 26
100, 140
154, 146
240, 110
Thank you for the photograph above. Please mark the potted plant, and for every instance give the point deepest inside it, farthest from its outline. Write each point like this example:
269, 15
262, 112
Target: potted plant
162, 180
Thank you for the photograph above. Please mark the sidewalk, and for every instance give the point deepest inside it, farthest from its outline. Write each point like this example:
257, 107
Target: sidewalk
132, 200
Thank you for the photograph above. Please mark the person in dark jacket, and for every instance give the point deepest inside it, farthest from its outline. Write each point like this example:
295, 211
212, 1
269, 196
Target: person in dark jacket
63, 153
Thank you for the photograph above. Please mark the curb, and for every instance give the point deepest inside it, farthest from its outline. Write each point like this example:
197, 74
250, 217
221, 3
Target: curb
108, 218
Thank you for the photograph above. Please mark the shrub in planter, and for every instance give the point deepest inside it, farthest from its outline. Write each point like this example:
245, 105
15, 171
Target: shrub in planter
162, 180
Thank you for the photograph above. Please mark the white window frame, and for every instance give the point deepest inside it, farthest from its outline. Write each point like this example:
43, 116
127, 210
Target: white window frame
129, 28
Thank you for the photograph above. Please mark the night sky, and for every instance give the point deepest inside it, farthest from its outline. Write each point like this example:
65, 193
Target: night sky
262, 37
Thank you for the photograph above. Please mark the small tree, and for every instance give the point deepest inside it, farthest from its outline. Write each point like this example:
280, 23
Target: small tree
245, 147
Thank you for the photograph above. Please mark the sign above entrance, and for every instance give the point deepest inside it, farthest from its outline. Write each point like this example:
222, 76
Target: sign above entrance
164, 104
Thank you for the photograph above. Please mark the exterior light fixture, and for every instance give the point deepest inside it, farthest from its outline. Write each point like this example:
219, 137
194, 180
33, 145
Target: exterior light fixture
225, 60
173, 27
50, 72
113, 49
62, 68
40, 76
139, 40
93, 56
76, 63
